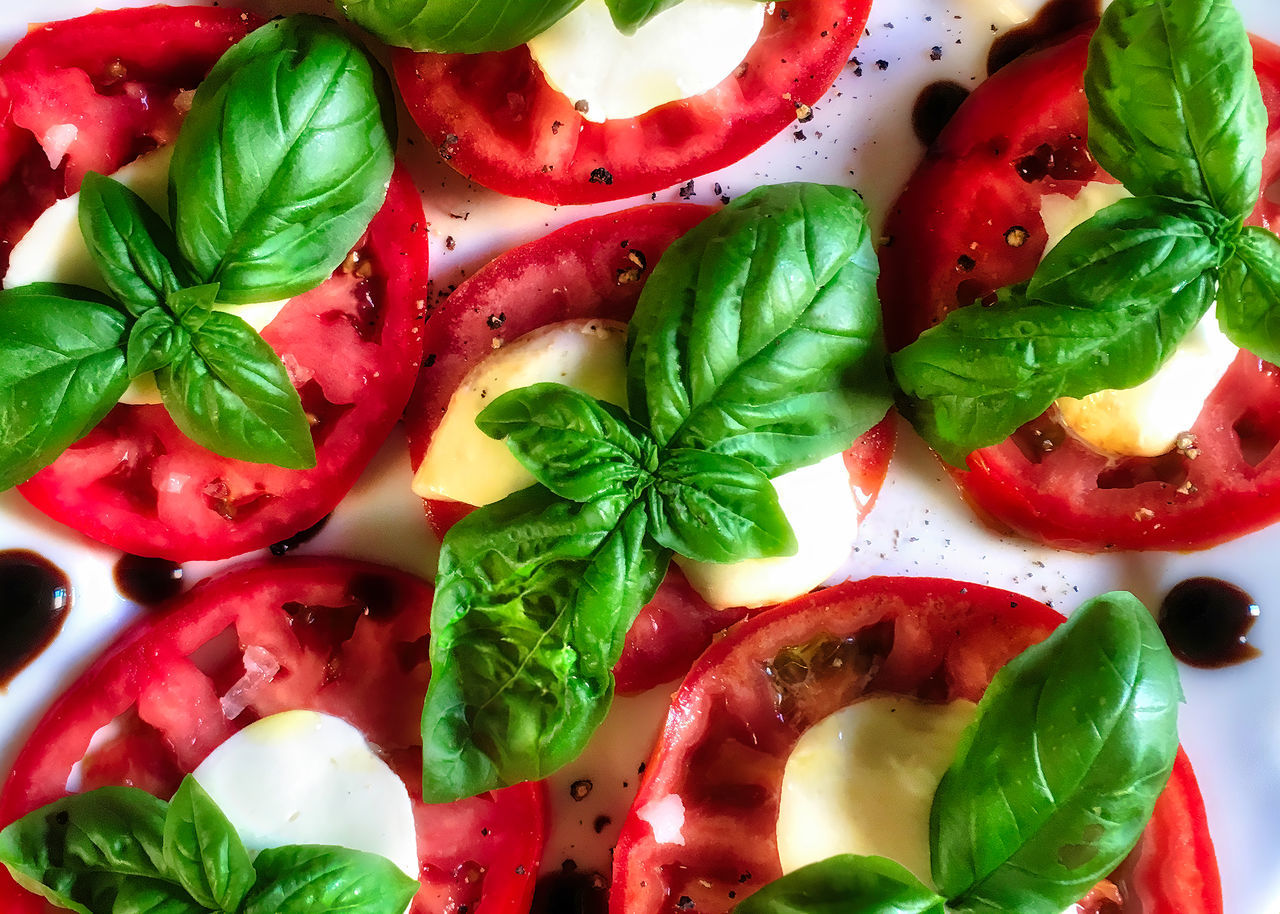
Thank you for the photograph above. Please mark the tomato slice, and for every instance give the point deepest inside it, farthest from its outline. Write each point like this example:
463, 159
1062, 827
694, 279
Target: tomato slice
592, 268
352, 346
969, 222
743, 706
350, 639
494, 118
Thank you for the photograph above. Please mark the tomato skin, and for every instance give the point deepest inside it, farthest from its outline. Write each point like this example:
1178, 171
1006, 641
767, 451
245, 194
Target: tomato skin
347, 635
731, 729
950, 243
135, 482
495, 119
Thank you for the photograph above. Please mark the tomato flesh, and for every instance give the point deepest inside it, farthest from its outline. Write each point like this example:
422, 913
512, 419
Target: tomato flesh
349, 639
745, 703
352, 346
494, 117
969, 222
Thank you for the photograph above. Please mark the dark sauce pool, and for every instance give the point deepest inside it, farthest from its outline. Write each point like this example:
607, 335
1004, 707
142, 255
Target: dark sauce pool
35, 596
1207, 621
1057, 17
147, 581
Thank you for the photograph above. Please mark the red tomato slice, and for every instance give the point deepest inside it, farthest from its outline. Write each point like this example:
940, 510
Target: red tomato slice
592, 268
350, 640
352, 346
494, 118
969, 222
743, 706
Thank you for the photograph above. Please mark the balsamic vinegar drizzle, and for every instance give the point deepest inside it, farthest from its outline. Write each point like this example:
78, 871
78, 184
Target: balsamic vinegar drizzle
302, 536
1206, 622
147, 581
35, 596
934, 106
1056, 18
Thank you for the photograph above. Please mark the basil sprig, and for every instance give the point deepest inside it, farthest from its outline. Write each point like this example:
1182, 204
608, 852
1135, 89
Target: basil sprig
755, 348
1176, 115
119, 849
1050, 788
282, 161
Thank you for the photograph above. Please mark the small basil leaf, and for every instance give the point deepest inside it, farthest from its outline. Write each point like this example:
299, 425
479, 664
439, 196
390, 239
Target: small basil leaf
62, 368
1056, 777
842, 885
80, 851
716, 508
193, 305
1174, 106
305, 878
1249, 293
578, 447
202, 850
230, 393
456, 26
155, 340
152, 896
282, 161
629, 15
534, 597
758, 333
129, 242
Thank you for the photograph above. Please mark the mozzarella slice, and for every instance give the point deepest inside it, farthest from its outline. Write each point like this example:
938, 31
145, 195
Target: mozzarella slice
683, 51
464, 464
823, 511
302, 777
53, 250
862, 780
1146, 420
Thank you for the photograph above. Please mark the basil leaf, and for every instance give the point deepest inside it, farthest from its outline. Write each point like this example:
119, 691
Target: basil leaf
304, 879
456, 26
845, 884
1174, 106
231, 394
534, 597
758, 333
155, 340
62, 368
80, 851
629, 15
202, 850
1249, 293
716, 508
578, 447
282, 161
152, 896
129, 242
192, 306
1056, 777
972, 380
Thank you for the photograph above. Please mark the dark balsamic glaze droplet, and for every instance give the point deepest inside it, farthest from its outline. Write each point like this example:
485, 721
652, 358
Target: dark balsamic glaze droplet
1054, 19
571, 891
302, 536
147, 581
34, 598
1206, 622
934, 106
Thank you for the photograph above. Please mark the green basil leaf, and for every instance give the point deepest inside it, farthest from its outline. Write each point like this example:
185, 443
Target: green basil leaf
845, 884
231, 394
972, 380
284, 158
80, 851
62, 368
193, 305
456, 26
534, 597
629, 15
716, 508
1249, 293
152, 896
578, 447
1174, 106
758, 333
202, 850
155, 340
1056, 777
305, 879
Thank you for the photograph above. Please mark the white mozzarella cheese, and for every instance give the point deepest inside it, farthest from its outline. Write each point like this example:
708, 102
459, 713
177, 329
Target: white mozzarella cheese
53, 250
302, 777
1146, 420
862, 780
823, 511
464, 464
683, 51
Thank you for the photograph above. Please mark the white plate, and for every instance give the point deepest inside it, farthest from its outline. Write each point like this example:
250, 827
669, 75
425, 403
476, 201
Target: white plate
860, 135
